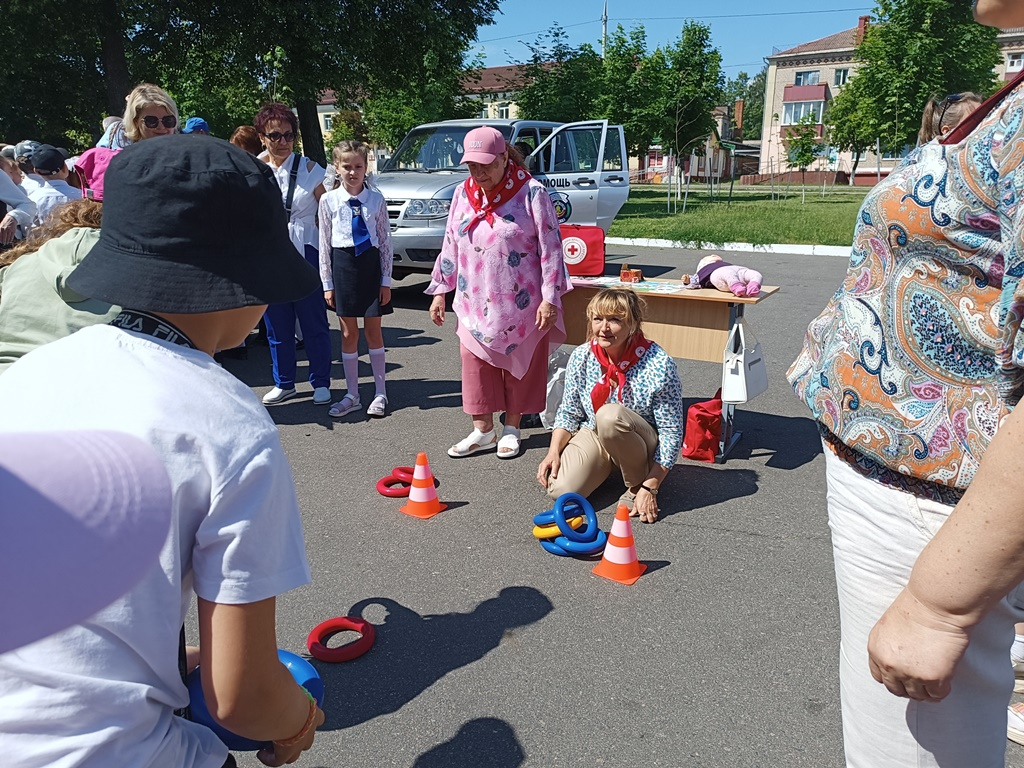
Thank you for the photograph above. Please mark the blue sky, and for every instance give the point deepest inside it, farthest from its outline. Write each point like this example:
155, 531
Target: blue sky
745, 31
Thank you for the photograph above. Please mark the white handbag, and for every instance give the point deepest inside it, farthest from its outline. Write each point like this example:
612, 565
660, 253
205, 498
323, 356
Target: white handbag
744, 373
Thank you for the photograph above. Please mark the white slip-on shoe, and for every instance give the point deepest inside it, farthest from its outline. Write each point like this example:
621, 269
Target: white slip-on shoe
278, 395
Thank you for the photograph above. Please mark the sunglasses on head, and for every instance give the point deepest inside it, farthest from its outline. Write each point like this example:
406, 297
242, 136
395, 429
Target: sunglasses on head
276, 137
152, 121
952, 98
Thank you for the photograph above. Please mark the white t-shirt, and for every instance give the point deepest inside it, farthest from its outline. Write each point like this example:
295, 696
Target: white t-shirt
101, 694
50, 194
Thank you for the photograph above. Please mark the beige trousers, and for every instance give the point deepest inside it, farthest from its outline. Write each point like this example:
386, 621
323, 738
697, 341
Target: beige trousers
622, 439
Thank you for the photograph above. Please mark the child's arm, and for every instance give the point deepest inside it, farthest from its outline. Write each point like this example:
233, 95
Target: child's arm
247, 689
386, 252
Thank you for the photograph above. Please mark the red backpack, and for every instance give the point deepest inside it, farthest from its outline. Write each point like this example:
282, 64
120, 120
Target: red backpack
703, 429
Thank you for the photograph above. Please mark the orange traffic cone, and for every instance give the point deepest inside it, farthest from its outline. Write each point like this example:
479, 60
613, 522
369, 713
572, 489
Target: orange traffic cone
423, 502
619, 561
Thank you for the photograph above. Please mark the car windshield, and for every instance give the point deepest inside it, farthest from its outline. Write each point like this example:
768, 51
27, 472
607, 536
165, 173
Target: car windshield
437, 148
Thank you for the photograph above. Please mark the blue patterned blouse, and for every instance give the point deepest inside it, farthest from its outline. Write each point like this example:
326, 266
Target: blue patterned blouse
918, 357
652, 390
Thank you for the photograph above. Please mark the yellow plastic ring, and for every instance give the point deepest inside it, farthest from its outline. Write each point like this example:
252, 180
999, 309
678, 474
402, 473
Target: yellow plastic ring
550, 531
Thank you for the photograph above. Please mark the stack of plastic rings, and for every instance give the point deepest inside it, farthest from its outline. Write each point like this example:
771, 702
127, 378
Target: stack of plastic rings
397, 484
564, 536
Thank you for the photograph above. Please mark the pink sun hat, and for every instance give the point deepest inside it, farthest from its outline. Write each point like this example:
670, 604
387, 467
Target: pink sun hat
483, 145
83, 517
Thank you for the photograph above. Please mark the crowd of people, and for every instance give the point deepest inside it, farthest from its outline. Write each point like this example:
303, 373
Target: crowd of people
151, 253
911, 373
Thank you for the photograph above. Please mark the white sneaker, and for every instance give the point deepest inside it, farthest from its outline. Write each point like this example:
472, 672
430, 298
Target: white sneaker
321, 396
1015, 723
278, 395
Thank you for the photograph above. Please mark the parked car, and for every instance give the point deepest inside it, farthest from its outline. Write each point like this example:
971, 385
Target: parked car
583, 165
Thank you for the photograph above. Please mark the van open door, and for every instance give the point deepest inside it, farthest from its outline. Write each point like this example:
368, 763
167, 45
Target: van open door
583, 167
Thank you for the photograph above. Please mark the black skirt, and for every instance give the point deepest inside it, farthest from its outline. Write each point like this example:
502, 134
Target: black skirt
357, 283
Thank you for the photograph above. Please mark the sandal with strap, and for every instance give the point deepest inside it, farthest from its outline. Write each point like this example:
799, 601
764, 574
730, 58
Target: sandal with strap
345, 406
510, 443
377, 407
475, 442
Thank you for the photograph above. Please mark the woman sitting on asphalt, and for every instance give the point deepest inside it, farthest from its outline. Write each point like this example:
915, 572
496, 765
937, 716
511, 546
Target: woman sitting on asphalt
622, 408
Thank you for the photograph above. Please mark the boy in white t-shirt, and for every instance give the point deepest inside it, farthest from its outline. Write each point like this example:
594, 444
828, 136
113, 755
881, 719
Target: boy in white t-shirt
194, 244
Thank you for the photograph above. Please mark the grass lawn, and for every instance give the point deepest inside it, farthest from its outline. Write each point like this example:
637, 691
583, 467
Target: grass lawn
753, 216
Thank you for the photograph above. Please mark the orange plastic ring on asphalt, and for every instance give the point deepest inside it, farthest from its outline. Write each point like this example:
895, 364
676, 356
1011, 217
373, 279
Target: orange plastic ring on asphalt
322, 633
385, 486
552, 530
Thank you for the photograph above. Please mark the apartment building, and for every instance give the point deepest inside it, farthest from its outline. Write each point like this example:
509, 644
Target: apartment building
804, 79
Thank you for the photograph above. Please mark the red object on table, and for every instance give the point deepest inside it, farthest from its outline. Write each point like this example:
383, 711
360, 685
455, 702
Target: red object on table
583, 249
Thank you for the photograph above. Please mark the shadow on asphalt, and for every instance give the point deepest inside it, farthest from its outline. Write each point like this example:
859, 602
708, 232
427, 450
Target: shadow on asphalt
789, 442
486, 741
412, 652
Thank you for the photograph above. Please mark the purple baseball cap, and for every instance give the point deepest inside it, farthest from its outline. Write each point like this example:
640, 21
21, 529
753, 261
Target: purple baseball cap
83, 518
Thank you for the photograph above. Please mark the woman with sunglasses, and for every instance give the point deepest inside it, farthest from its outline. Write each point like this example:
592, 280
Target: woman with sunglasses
149, 111
301, 182
913, 372
941, 116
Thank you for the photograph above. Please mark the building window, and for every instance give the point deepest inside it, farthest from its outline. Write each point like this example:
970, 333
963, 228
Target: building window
503, 111
795, 111
811, 77
842, 76
328, 122
1014, 62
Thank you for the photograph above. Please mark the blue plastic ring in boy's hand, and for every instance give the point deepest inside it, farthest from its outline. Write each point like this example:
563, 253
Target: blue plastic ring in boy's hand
583, 535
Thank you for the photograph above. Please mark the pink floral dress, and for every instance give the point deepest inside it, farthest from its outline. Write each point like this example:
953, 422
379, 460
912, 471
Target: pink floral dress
501, 273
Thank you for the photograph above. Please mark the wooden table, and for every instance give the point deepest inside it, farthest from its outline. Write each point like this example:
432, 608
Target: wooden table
690, 324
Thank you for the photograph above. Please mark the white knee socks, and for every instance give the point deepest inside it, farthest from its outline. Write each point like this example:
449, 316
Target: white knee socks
377, 364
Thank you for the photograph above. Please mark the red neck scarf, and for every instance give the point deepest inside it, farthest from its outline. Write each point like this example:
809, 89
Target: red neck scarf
483, 206
635, 349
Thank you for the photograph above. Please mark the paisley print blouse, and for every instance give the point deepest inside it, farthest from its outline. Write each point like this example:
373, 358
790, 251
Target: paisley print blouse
917, 358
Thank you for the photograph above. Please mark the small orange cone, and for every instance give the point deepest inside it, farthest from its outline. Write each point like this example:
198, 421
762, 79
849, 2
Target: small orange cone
423, 502
619, 561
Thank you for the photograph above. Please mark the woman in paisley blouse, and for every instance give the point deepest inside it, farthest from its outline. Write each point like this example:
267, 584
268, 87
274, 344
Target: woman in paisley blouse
622, 409
912, 373
502, 255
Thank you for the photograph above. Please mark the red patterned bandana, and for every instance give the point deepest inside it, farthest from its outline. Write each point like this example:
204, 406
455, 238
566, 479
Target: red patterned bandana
636, 347
515, 177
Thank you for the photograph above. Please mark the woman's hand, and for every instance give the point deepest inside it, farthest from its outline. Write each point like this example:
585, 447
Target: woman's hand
548, 469
7, 230
437, 310
913, 649
278, 755
546, 314
329, 298
385, 295
646, 506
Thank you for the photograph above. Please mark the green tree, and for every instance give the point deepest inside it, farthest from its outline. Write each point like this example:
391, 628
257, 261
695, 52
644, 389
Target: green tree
561, 82
803, 146
629, 89
346, 125
691, 86
850, 125
914, 50
751, 90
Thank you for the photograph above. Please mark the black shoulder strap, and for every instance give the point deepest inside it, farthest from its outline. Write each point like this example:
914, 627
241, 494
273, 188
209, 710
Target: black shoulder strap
292, 178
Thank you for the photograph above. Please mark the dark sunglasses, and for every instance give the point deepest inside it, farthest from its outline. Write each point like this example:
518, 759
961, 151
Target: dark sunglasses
276, 137
151, 121
952, 98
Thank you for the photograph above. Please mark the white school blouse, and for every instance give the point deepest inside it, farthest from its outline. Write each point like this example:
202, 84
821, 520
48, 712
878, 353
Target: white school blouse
336, 230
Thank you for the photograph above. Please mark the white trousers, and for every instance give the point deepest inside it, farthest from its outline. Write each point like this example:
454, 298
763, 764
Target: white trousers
877, 534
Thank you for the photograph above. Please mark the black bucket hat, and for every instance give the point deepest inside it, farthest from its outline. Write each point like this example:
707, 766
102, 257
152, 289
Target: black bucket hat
192, 226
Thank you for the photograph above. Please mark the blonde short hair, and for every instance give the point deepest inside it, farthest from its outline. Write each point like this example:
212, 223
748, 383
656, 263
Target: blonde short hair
144, 95
616, 302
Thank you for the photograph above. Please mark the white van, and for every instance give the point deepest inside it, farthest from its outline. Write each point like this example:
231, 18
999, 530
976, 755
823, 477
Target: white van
583, 166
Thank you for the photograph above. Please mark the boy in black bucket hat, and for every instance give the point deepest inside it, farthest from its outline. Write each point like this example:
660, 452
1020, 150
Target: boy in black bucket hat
194, 244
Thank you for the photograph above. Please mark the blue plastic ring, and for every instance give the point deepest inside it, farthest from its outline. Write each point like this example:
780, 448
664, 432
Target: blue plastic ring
587, 548
553, 548
583, 535
548, 518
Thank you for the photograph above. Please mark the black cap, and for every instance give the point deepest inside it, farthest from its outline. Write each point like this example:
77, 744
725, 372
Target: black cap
192, 226
47, 158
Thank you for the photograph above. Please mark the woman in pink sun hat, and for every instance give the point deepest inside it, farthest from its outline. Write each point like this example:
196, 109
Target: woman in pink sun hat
502, 257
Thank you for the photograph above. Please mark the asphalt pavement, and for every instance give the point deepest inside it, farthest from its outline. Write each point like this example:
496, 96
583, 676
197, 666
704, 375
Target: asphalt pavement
492, 653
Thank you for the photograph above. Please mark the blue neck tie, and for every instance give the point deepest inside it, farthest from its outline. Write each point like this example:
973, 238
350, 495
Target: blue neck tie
360, 234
